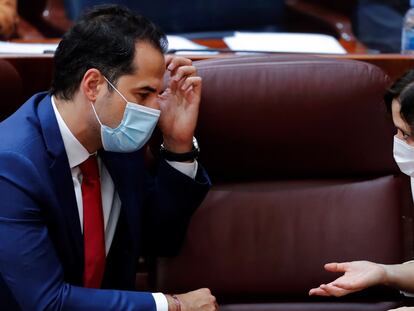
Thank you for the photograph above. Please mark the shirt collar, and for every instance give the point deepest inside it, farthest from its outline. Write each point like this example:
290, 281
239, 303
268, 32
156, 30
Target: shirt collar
75, 151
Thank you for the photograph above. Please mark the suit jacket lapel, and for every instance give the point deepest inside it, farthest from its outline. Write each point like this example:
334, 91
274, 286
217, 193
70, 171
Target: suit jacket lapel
62, 177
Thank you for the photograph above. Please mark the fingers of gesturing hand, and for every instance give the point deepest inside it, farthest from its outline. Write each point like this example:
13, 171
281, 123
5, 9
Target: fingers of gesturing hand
318, 292
336, 267
174, 62
330, 289
181, 76
186, 87
191, 83
333, 290
182, 72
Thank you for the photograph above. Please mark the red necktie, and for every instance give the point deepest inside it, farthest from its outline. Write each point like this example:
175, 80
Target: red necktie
93, 224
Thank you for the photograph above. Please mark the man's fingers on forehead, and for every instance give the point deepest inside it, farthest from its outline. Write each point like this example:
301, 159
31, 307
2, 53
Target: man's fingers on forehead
178, 62
193, 81
184, 71
182, 61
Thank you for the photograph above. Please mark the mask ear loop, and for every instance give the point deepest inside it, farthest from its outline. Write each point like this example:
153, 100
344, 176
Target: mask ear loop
96, 115
116, 89
93, 106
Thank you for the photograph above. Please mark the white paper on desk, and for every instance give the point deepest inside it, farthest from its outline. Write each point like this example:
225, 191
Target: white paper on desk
180, 43
26, 48
284, 42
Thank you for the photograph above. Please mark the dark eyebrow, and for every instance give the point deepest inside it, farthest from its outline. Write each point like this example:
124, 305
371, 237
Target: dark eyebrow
149, 89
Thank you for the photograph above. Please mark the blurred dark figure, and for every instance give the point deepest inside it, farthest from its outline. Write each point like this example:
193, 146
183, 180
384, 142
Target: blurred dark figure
378, 24
199, 18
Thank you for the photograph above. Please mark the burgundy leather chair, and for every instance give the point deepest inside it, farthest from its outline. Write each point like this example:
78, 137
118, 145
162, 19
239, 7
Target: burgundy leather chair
299, 150
10, 89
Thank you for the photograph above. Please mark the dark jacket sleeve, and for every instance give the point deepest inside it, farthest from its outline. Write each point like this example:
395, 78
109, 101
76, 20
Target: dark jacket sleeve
172, 199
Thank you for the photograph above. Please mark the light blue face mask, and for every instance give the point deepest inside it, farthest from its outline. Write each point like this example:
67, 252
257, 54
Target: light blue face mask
135, 129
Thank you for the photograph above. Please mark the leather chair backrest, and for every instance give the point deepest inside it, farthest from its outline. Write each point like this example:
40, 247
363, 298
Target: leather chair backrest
299, 150
10, 89
302, 117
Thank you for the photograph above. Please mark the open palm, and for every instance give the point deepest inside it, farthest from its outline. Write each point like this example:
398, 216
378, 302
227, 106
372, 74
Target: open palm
357, 276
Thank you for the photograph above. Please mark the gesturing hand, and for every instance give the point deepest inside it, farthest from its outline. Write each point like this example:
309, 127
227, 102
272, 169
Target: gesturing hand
358, 275
179, 104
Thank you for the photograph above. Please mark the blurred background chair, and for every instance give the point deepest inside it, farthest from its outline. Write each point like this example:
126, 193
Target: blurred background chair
211, 19
325, 16
11, 89
375, 23
12, 25
48, 16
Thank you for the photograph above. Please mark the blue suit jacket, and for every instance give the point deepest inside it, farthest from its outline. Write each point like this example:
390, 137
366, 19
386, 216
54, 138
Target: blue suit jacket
41, 244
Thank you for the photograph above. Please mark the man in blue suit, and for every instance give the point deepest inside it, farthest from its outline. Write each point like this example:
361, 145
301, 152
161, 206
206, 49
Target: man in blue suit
77, 205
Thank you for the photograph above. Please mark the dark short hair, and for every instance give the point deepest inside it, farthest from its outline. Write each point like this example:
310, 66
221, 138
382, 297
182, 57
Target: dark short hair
104, 38
403, 91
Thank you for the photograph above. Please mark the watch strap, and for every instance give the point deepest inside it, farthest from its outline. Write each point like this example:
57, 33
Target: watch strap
181, 157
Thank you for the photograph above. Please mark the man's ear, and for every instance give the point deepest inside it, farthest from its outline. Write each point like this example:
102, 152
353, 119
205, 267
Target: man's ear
92, 83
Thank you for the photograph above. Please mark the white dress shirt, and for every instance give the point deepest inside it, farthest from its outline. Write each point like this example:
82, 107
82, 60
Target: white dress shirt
111, 204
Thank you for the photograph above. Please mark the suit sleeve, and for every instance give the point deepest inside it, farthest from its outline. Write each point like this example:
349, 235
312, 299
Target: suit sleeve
172, 200
29, 264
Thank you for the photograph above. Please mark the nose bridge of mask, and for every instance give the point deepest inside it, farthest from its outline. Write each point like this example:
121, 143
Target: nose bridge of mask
404, 156
400, 144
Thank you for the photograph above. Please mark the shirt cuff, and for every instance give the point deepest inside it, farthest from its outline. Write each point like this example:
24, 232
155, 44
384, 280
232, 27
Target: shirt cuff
161, 302
188, 169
